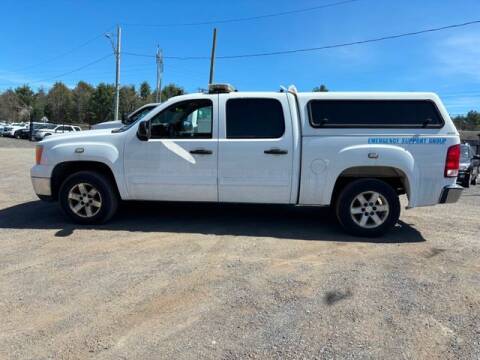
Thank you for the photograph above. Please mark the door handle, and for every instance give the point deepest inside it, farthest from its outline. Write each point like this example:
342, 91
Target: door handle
276, 151
201, 152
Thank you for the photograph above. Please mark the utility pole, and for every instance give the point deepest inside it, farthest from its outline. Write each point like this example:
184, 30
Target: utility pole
159, 58
212, 59
117, 52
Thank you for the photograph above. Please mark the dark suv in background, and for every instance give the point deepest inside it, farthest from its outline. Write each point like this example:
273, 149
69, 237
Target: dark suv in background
469, 166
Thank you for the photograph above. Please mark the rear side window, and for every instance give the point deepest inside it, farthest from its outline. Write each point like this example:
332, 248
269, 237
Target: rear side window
374, 113
255, 119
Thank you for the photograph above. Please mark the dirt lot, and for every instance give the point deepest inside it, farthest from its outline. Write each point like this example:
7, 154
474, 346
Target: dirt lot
227, 282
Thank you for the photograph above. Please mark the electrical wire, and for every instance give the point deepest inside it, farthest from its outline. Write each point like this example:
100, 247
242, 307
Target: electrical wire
326, 47
63, 54
243, 19
72, 71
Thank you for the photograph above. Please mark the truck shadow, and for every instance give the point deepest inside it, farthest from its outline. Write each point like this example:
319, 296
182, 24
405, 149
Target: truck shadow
284, 222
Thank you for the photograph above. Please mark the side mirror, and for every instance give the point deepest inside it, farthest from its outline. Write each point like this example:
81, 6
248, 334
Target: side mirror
144, 131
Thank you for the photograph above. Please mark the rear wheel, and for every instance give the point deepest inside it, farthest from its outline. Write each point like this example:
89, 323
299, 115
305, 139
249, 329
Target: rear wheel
88, 198
367, 207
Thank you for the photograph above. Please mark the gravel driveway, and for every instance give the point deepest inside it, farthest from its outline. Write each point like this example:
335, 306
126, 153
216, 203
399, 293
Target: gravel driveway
165, 281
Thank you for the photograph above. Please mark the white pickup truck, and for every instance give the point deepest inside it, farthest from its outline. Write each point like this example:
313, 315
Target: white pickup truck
356, 152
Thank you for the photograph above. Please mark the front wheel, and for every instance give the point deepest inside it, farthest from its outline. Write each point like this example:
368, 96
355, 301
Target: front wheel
367, 207
88, 198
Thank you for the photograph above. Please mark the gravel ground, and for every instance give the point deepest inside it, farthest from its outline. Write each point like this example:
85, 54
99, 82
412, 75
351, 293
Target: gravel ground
166, 281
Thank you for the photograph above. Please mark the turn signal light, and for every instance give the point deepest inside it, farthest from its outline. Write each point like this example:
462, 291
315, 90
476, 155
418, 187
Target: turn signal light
452, 164
38, 154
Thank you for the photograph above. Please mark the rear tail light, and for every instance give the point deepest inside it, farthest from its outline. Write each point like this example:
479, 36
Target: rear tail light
38, 154
452, 163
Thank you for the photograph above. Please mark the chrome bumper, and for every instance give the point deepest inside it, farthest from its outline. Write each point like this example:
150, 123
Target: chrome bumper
450, 194
41, 186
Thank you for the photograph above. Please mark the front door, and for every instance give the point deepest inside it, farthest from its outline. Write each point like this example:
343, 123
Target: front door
255, 149
179, 161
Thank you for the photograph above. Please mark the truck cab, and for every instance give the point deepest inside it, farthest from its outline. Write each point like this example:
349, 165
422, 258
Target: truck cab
356, 152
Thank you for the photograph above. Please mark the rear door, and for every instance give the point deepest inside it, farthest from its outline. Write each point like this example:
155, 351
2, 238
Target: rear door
255, 149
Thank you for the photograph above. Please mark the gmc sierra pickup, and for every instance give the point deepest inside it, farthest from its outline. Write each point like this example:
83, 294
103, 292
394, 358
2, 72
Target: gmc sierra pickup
356, 152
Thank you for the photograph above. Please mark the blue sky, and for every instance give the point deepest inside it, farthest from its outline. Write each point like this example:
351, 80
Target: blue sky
448, 62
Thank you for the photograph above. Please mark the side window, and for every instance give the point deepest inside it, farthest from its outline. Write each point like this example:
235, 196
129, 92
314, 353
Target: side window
184, 120
255, 119
374, 113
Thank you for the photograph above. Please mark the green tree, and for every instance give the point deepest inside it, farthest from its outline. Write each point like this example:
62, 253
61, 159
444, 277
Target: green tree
59, 103
471, 121
321, 88
9, 105
39, 104
101, 104
171, 90
25, 97
145, 92
129, 100
81, 99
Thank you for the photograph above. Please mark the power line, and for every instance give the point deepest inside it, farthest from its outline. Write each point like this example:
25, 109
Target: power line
243, 19
68, 72
61, 55
326, 47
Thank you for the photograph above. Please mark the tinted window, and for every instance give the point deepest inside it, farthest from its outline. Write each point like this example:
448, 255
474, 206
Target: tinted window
254, 118
377, 113
184, 120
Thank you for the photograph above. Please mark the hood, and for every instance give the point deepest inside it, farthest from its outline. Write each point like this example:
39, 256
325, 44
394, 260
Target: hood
86, 135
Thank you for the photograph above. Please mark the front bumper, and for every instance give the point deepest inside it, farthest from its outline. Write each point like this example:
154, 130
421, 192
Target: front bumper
450, 194
42, 186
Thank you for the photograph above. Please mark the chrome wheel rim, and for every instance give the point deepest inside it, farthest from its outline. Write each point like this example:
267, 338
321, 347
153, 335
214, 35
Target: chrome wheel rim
369, 209
84, 200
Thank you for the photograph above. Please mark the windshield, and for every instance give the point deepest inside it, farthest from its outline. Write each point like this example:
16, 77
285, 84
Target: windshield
140, 114
135, 118
464, 154
45, 126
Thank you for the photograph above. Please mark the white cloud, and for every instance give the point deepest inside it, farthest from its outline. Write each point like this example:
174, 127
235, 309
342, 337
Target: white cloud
459, 55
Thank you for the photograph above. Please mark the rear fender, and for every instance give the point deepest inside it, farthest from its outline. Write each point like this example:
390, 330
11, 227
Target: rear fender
369, 155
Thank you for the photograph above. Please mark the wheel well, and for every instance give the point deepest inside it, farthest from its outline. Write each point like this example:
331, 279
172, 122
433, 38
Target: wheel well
65, 169
396, 178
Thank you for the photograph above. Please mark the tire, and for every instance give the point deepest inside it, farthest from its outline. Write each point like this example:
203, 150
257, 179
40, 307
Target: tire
81, 186
466, 181
474, 180
356, 218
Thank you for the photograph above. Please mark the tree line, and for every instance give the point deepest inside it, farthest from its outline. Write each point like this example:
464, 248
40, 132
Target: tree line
87, 104
84, 104
471, 121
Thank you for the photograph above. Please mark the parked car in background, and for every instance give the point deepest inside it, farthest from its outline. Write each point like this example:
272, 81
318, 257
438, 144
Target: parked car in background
129, 119
24, 133
53, 129
469, 166
9, 130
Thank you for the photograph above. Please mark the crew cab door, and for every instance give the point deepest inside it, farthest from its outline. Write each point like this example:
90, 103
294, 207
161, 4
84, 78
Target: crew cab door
255, 149
179, 161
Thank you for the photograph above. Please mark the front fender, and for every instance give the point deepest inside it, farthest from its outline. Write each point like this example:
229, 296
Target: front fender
83, 151
100, 152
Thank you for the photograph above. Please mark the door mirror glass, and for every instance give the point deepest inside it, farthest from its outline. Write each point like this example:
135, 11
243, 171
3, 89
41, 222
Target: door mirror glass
144, 131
